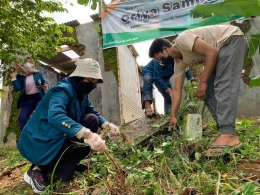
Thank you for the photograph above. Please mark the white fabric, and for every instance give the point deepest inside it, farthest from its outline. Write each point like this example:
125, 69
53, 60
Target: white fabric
87, 68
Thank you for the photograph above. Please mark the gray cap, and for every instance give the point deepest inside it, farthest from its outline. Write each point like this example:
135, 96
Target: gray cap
87, 68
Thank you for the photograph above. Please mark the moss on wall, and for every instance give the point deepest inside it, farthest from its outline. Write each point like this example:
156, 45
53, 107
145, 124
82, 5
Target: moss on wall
110, 55
111, 61
13, 120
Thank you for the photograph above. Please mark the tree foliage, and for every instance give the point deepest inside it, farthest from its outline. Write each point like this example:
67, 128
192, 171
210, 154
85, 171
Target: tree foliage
93, 3
24, 30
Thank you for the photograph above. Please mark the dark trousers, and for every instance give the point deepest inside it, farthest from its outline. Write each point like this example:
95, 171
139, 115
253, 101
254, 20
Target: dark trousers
71, 154
29, 105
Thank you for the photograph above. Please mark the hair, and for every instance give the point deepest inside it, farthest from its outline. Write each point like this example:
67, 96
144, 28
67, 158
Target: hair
157, 46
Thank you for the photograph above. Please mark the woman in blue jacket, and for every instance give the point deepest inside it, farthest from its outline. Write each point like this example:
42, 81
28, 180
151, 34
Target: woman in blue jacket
64, 116
32, 86
159, 75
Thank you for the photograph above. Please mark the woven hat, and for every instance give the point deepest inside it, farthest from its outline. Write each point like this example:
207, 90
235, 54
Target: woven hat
87, 68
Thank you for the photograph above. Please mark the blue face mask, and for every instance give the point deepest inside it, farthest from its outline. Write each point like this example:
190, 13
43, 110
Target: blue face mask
86, 87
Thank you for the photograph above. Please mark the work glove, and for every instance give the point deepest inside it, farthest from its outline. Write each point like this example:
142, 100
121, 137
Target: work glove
96, 143
112, 130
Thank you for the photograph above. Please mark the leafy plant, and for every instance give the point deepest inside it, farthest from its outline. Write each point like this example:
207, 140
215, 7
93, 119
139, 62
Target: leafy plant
25, 31
171, 166
94, 3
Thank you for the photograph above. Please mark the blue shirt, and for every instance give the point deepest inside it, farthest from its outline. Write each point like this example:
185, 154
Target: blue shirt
161, 74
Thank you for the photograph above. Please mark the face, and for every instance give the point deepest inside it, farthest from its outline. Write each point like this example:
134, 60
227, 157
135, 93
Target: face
29, 60
161, 55
87, 85
90, 80
172, 51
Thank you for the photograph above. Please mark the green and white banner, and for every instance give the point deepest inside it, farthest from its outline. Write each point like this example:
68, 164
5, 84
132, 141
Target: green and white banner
140, 20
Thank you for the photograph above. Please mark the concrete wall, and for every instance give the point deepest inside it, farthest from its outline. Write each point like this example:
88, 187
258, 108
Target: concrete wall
6, 102
49, 74
106, 97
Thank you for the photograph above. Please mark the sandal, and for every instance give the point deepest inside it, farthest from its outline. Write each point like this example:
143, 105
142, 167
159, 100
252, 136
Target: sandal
150, 115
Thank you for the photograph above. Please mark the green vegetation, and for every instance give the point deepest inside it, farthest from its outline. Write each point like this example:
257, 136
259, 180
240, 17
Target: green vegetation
168, 165
165, 165
110, 56
26, 31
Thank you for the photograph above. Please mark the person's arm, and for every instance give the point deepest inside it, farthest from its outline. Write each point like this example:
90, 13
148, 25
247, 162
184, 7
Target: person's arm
210, 53
44, 84
176, 97
90, 109
158, 77
112, 130
16, 81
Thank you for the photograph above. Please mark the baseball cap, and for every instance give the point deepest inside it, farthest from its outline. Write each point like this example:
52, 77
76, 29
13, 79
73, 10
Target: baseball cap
87, 68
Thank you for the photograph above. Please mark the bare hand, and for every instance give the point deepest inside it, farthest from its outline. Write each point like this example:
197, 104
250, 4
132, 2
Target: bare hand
201, 90
173, 121
45, 87
13, 75
17, 61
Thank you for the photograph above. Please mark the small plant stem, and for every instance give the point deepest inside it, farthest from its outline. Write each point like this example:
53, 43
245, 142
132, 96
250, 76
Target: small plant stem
198, 180
230, 182
112, 159
52, 174
218, 183
203, 110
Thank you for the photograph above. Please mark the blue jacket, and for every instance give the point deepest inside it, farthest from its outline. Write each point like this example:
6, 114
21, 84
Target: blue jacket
56, 116
161, 74
19, 85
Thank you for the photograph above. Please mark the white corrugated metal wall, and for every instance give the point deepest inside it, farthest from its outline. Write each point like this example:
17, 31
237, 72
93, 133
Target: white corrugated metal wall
129, 86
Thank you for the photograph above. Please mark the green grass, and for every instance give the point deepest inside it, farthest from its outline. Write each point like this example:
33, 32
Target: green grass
172, 165
166, 165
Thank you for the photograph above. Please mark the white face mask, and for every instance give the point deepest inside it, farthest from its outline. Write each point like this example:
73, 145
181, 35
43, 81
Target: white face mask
28, 65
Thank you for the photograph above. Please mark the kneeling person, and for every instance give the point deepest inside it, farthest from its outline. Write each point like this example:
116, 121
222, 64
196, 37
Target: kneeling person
64, 116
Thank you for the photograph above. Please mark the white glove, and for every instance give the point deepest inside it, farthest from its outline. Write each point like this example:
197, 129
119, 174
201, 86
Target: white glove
96, 143
112, 130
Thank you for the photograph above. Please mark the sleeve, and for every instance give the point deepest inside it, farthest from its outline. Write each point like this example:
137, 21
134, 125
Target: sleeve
17, 83
186, 41
43, 80
188, 75
158, 76
179, 68
90, 109
58, 113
